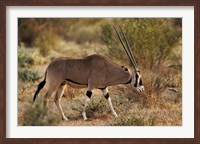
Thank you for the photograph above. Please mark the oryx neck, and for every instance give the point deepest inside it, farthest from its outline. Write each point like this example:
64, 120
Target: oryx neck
129, 81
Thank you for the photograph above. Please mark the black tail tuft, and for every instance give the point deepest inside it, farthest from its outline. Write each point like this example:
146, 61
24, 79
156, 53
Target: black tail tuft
40, 86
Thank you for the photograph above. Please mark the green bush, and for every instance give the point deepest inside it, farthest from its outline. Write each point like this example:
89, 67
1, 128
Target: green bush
31, 28
150, 39
133, 121
77, 105
29, 57
96, 105
38, 115
47, 41
28, 75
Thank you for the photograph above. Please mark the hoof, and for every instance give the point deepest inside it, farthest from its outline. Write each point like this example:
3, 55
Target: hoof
84, 116
115, 115
84, 119
65, 119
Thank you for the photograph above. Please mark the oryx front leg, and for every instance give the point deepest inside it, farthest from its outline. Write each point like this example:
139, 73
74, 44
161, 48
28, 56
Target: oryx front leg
58, 97
86, 100
106, 95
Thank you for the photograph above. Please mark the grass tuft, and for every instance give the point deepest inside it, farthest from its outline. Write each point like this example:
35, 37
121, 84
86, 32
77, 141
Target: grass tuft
28, 75
38, 115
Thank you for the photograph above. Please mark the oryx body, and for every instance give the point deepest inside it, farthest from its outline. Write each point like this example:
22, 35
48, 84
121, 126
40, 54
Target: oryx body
94, 71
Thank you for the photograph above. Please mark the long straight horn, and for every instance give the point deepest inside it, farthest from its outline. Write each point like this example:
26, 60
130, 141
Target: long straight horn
128, 47
125, 49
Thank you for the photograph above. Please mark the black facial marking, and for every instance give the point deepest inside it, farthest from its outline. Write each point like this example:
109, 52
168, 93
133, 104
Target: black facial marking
136, 80
107, 96
89, 94
140, 82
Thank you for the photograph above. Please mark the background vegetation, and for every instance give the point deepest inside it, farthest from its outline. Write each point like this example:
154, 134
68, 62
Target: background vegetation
156, 45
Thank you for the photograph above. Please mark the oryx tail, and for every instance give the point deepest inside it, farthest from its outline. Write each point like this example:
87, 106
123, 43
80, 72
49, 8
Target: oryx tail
40, 86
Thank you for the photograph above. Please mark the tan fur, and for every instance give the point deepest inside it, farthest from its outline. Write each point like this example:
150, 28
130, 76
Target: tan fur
96, 71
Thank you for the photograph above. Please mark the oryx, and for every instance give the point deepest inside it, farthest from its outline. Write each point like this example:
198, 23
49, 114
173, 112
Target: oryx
94, 72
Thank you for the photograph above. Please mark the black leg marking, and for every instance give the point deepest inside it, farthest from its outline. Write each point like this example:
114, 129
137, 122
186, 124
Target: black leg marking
107, 96
89, 94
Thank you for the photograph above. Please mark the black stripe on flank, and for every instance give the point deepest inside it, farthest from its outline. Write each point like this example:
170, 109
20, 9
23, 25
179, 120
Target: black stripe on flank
74, 82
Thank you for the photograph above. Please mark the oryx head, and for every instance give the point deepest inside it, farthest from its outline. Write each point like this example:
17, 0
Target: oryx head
136, 79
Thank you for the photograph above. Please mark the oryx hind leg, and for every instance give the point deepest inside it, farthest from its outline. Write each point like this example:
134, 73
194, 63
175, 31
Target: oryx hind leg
51, 89
86, 100
59, 94
106, 95
47, 96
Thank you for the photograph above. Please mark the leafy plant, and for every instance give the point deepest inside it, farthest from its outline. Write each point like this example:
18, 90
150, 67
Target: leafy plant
47, 41
28, 58
151, 40
133, 120
38, 115
28, 75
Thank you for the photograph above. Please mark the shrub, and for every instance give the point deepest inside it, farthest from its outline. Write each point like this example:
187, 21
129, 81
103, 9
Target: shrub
31, 28
151, 40
38, 115
28, 58
96, 105
133, 120
77, 105
47, 41
85, 34
28, 75
157, 89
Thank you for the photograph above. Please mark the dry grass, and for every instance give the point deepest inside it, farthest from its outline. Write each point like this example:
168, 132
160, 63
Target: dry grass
161, 105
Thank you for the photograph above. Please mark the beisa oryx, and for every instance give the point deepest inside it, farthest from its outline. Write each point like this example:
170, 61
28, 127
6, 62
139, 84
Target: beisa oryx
94, 72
